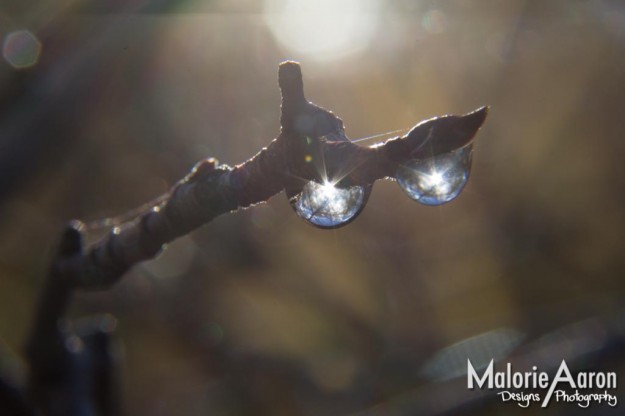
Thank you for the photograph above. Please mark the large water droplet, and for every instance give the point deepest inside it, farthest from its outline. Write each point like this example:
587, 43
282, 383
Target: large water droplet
436, 180
328, 206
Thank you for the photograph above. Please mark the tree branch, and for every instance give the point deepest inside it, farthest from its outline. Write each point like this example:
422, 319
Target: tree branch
308, 132
312, 145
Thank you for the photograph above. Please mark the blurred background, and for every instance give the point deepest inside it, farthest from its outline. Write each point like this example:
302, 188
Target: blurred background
105, 105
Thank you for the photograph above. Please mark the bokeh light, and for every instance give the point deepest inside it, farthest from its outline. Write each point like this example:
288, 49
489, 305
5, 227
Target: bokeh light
434, 22
21, 49
324, 29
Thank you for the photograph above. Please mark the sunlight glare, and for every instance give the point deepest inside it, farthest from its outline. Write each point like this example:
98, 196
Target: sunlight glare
323, 29
336, 203
436, 182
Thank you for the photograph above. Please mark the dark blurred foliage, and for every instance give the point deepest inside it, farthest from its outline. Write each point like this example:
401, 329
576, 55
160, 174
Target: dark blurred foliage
258, 313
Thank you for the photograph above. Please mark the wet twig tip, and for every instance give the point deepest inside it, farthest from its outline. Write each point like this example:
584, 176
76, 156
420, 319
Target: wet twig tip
291, 83
475, 119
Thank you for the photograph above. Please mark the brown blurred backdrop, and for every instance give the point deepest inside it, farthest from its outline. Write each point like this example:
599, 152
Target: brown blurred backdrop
105, 105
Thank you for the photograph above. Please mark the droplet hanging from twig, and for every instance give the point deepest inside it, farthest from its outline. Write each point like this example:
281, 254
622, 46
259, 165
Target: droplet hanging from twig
328, 206
436, 180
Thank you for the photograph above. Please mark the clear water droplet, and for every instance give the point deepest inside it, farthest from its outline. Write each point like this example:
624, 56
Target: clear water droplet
328, 206
436, 180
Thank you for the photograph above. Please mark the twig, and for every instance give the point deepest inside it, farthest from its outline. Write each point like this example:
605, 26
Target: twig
308, 133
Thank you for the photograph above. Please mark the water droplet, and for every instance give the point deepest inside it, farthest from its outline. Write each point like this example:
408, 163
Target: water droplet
328, 206
436, 180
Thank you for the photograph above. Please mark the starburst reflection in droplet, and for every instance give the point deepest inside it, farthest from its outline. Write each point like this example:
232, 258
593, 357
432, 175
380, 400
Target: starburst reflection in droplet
436, 180
328, 206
